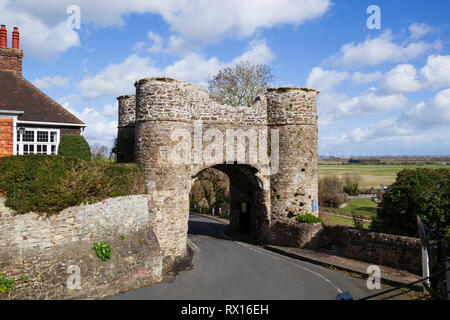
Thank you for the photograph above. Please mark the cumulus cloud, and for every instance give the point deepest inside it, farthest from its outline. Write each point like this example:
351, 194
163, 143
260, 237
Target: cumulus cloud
375, 51
99, 128
119, 78
335, 106
44, 22
403, 78
51, 82
324, 80
44, 41
436, 73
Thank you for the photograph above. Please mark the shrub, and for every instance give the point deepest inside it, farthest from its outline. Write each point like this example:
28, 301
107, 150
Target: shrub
424, 192
102, 250
73, 145
308, 218
48, 184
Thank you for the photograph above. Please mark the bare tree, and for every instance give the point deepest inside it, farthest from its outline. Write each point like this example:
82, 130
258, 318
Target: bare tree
241, 84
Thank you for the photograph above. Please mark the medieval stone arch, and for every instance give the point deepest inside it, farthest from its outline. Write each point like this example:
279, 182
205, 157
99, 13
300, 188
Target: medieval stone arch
174, 130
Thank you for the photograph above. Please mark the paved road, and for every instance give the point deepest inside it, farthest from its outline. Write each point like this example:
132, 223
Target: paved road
225, 269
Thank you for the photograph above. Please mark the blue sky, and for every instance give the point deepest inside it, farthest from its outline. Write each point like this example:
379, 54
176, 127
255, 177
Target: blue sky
383, 92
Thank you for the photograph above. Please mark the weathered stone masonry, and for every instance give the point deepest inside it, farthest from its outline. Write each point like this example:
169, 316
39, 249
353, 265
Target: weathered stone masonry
164, 105
45, 250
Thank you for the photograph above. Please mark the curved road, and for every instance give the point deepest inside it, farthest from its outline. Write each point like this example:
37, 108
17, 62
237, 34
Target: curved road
225, 269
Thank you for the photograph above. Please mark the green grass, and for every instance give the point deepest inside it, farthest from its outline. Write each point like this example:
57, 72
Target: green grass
335, 220
360, 207
372, 175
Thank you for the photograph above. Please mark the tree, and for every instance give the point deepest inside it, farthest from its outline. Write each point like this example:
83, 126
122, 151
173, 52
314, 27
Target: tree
210, 191
241, 84
330, 191
351, 184
423, 192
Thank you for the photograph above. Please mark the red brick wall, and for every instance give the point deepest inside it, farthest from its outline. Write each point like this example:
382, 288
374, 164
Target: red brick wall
11, 59
6, 137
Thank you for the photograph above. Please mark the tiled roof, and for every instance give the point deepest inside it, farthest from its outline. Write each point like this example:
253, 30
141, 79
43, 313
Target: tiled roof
17, 94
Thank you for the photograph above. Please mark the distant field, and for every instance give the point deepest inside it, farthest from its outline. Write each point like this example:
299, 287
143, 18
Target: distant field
372, 175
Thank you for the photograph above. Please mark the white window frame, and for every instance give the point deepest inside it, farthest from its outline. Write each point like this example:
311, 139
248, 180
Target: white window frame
18, 147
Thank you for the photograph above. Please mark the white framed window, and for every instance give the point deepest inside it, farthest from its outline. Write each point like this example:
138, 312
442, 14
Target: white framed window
37, 141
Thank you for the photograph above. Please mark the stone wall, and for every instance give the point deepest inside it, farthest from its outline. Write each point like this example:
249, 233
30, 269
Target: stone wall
51, 251
291, 233
378, 248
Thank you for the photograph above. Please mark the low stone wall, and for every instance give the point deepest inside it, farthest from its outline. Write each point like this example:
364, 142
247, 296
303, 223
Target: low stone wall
378, 248
56, 255
290, 233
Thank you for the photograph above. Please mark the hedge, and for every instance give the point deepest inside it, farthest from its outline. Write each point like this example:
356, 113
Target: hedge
48, 184
73, 145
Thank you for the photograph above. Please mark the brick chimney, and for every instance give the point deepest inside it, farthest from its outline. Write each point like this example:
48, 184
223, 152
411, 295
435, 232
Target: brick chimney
10, 58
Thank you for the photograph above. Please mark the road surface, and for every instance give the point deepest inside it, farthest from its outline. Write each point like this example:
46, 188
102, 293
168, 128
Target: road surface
225, 269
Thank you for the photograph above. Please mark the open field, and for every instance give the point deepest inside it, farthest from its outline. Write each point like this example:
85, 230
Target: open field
372, 175
332, 220
361, 207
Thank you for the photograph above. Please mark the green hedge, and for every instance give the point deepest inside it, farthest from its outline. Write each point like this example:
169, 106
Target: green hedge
73, 145
308, 218
48, 184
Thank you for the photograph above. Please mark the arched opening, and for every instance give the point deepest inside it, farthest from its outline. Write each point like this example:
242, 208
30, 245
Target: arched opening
234, 192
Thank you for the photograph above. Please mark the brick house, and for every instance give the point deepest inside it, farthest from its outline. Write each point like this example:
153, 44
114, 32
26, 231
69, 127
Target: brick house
30, 121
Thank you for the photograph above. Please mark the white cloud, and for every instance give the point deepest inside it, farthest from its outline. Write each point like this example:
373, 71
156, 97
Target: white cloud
110, 110
419, 30
51, 82
36, 36
202, 20
117, 79
324, 80
436, 73
334, 107
375, 51
157, 42
435, 112
99, 129
403, 78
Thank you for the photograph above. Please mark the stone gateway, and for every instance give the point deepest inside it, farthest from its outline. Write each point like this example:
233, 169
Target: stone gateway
268, 151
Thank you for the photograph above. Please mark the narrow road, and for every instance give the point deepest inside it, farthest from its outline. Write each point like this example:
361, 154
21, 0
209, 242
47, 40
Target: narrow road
225, 269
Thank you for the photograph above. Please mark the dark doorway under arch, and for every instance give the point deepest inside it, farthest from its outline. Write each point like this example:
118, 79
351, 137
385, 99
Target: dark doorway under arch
247, 210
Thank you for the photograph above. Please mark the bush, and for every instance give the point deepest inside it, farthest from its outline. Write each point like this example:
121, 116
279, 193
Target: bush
308, 218
49, 184
73, 145
423, 192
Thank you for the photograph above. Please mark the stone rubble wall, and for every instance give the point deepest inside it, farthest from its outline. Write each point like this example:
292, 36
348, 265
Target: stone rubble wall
44, 249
